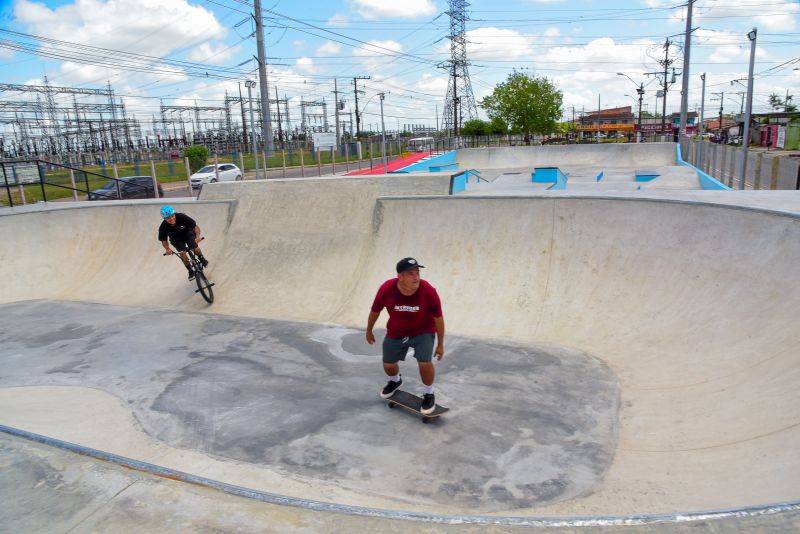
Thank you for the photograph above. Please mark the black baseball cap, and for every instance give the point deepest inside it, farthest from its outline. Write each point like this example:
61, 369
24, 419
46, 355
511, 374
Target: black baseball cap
406, 264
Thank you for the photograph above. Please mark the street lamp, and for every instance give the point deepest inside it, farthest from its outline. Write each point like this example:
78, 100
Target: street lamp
250, 84
383, 136
640, 92
745, 141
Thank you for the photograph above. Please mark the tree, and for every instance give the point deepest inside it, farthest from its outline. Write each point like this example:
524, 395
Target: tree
474, 127
497, 126
198, 156
528, 104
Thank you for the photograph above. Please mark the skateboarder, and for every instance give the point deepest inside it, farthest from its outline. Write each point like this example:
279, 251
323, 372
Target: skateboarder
415, 315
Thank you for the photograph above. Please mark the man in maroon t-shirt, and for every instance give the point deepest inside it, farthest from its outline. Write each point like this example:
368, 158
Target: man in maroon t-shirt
415, 315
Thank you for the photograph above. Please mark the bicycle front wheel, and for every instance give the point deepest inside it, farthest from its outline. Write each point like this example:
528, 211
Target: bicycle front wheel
203, 286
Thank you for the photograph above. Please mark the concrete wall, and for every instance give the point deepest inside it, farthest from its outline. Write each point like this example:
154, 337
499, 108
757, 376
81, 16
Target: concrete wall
765, 170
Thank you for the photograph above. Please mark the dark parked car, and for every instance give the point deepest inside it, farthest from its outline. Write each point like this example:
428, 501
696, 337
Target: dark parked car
128, 187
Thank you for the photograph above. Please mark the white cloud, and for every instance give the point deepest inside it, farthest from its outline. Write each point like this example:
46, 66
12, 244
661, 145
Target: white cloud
329, 49
338, 21
584, 71
776, 16
306, 64
377, 48
494, 44
299, 45
120, 25
429, 83
601, 55
219, 55
375, 57
392, 9
552, 32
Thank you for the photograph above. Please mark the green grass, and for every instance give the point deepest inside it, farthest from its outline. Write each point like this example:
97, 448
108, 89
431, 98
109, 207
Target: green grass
33, 192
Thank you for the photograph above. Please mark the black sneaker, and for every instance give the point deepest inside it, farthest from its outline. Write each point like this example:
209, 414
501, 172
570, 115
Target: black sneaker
428, 403
390, 388
204, 262
191, 274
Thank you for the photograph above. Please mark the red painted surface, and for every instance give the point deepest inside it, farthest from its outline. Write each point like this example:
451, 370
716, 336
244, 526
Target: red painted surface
392, 165
769, 136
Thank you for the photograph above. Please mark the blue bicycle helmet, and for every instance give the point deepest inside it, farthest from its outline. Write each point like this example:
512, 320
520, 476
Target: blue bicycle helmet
167, 212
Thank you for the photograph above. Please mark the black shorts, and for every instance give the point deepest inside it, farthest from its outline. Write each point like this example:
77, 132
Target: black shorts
183, 242
395, 349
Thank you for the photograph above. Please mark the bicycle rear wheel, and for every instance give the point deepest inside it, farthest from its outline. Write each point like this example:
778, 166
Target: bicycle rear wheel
203, 286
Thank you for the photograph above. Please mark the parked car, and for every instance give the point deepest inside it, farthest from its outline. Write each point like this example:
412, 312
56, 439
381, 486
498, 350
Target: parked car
228, 172
127, 187
555, 141
599, 136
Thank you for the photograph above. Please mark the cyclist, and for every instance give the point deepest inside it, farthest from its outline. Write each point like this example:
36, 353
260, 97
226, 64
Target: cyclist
183, 233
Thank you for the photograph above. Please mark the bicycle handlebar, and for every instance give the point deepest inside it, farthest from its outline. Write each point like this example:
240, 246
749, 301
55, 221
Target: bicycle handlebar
178, 252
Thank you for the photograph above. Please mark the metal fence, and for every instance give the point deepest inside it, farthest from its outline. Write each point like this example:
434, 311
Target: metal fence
30, 181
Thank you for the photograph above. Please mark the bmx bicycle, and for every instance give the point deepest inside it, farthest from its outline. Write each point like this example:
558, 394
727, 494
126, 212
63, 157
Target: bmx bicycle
203, 284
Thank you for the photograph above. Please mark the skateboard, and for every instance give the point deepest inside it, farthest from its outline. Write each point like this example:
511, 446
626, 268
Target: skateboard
413, 403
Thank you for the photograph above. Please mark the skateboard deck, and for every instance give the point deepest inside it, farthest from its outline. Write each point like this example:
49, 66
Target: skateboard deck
413, 403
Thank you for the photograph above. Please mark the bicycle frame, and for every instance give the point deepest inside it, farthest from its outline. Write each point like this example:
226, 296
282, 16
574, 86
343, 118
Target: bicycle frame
203, 284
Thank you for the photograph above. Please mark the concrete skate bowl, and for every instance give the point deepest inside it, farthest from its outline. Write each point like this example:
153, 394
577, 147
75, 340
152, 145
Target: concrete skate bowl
610, 167
692, 307
645, 155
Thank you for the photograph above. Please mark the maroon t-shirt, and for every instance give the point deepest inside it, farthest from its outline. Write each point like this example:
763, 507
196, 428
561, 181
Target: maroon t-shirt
408, 315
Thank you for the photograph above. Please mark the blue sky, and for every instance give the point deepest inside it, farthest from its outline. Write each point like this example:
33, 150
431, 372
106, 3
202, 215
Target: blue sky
579, 44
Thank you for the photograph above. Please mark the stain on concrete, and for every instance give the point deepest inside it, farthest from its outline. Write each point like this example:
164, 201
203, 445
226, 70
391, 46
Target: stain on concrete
528, 426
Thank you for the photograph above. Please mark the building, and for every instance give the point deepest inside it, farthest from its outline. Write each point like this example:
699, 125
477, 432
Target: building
691, 122
609, 122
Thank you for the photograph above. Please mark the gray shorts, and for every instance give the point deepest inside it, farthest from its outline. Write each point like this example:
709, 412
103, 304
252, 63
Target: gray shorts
395, 349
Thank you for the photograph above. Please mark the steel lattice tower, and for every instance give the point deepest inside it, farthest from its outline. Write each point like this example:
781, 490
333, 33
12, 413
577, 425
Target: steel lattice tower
459, 100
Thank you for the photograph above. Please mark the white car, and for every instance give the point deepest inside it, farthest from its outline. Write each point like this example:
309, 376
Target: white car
228, 172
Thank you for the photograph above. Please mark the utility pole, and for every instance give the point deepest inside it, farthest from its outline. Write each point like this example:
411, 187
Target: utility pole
278, 107
685, 82
598, 118
250, 84
336, 107
266, 123
244, 122
666, 87
640, 92
383, 135
752, 35
721, 106
666, 62
356, 91
700, 127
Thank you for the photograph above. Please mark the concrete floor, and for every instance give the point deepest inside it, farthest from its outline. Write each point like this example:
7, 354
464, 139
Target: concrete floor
49, 490
529, 426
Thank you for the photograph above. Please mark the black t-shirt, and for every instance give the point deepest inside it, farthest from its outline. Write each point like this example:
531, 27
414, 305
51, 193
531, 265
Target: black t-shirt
183, 228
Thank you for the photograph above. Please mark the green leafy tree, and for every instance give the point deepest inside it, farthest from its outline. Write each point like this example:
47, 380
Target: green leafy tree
198, 157
564, 128
528, 104
475, 127
497, 126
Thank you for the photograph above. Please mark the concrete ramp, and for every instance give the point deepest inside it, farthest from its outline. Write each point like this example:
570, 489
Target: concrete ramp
605, 154
688, 300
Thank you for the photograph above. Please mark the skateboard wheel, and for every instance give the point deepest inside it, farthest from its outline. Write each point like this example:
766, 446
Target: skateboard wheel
426, 420
392, 404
